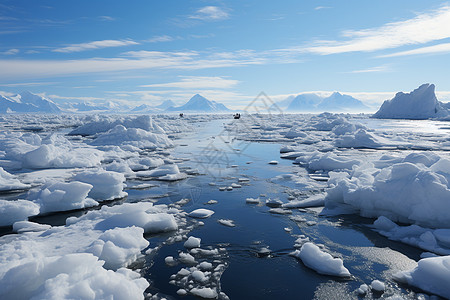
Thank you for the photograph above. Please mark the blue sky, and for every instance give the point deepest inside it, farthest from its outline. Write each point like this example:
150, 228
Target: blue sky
229, 51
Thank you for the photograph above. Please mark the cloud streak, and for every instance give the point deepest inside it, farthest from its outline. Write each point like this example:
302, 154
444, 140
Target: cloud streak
436, 49
197, 82
95, 45
424, 28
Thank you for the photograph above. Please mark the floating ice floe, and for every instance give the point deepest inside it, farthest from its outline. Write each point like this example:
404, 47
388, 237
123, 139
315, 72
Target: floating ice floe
321, 262
62, 196
135, 137
431, 275
27, 226
192, 242
201, 213
70, 276
164, 173
9, 182
56, 151
85, 257
415, 190
12, 211
102, 123
106, 185
226, 222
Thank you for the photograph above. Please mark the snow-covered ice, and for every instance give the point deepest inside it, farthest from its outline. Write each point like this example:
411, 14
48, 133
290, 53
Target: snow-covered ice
320, 261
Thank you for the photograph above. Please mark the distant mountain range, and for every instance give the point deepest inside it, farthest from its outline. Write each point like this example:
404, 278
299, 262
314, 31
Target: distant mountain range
313, 103
27, 102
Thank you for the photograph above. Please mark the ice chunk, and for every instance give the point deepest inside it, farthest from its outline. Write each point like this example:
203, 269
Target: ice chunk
378, 286
201, 213
119, 247
72, 276
62, 196
431, 275
10, 182
17, 210
106, 185
192, 242
166, 172
136, 137
226, 222
207, 293
26, 226
321, 262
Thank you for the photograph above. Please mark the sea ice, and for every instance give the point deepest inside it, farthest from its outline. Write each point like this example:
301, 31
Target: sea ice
201, 213
16, 210
321, 262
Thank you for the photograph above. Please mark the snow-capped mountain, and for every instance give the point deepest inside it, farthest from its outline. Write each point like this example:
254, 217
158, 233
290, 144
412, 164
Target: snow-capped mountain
304, 103
144, 108
199, 103
27, 102
310, 102
419, 104
166, 104
338, 102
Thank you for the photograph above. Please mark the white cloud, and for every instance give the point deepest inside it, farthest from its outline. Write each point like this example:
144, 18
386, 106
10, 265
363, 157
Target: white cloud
321, 7
436, 49
95, 45
106, 18
210, 13
161, 38
424, 28
197, 82
25, 84
132, 60
372, 70
10, 52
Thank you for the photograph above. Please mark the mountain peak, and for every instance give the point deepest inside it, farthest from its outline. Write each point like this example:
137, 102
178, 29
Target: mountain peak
200, 104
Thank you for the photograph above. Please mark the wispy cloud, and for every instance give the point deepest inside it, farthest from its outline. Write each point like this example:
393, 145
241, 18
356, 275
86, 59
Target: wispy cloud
377, 69
106, 18
197, 82
161, 38
139, 60
25, 84
10, 52
321, 7
210, 13
95, 45
424, 28
436, 49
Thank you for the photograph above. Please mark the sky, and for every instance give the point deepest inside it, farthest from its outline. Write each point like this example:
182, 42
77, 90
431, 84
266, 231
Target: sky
229, 51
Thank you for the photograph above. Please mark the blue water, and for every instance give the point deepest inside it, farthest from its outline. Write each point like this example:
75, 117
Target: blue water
366, 254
